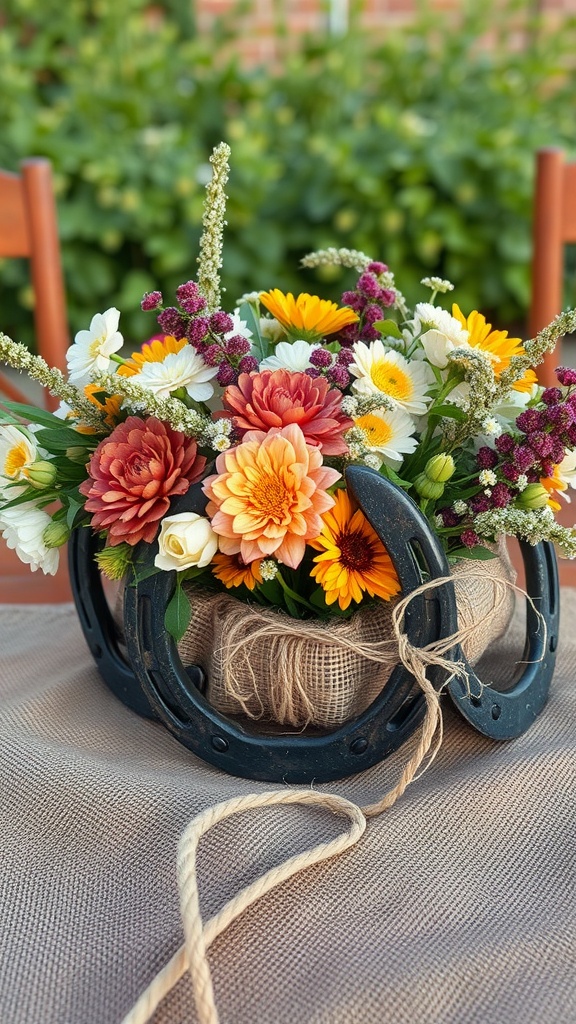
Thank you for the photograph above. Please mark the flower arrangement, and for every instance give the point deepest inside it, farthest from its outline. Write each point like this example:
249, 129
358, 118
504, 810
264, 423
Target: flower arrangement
265, 407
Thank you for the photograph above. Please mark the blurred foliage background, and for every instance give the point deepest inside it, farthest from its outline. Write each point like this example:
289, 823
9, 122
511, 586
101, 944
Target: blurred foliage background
417, 148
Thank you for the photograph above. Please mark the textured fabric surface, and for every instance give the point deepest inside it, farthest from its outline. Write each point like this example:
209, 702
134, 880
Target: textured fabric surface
458, 905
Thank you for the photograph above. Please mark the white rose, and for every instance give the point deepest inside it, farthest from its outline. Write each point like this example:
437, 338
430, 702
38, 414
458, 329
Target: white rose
185, 540
438, 346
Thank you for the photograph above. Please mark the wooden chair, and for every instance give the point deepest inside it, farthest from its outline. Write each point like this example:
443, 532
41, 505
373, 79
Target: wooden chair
28, 228
554, 227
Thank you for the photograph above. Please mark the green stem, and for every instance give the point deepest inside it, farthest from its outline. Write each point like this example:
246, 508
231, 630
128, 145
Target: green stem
292, 593
118, 359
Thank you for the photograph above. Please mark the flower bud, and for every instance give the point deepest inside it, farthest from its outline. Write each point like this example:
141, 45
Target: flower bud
56, 534
533, 496
428, 488
41, 475
440, 468
78, 454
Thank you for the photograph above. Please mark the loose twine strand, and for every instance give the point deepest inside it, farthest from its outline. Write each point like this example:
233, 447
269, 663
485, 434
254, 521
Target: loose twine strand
192, 955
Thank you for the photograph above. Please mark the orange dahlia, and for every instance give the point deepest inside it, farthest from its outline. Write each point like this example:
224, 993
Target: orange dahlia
353, 558
307, 316
268, 496
496, 344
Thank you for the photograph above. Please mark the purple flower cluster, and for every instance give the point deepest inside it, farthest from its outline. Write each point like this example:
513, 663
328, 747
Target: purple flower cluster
370, 299
543, 435
333, 367
211, 335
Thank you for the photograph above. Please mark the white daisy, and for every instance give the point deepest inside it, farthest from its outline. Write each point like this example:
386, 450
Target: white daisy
290, 355
22, 528
184, 369
380, 370
388, 435
92, 349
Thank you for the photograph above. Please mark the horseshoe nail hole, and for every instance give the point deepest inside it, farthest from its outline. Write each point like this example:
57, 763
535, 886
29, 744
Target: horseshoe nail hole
359, 746
496, 712
97, 651
553, 642
220, 744
476, 702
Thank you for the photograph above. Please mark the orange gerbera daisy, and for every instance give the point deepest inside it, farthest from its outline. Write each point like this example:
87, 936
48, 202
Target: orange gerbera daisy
307, 316
110, 404
154, 351
232, 571
353, 558
268, 496
554, 485
496, 344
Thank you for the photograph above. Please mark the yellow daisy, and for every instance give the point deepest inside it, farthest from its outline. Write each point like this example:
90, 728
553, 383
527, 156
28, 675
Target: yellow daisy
496, 344
353, 559
232, 571
154, 351
307, 317
554, 485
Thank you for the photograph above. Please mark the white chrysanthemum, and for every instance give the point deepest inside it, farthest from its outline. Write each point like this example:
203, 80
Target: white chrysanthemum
271, 329
22, 528
437, 347
240, 327
290, 355
487, 478
92, 349
429, 317
379, 370
184, 369
566, 470
491, 427
388, 435
18, 451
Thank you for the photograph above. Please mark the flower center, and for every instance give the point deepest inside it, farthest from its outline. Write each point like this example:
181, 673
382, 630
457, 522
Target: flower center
269, 497
356, 552
16, 460
391, 379
96, 346
376, 429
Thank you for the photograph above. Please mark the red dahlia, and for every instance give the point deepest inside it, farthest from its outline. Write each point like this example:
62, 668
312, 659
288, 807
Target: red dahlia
133, 474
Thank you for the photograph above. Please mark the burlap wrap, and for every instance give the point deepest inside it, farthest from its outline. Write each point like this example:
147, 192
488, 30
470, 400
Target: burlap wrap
268, 666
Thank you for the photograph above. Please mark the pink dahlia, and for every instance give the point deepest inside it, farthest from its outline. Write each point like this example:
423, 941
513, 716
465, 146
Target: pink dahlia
133, 474
277, 398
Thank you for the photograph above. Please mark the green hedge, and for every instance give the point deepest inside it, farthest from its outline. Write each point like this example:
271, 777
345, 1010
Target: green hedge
418, 149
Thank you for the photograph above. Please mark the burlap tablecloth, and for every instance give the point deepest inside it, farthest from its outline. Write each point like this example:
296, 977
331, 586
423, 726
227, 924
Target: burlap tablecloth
458, 905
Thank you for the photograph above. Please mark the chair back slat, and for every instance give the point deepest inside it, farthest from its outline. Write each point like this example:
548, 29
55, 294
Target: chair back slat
14, 225
569, 203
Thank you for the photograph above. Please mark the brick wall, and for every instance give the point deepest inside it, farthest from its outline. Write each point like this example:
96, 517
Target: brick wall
300, 16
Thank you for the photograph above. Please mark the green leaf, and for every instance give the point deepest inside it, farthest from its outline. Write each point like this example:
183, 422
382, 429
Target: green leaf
61, 438
452, 412
74, 507
393, 476
388, 329
261, 346
31, 413
178, 613
479, 554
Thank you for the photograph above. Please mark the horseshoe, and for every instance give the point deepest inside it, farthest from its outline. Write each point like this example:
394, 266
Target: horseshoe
155, 683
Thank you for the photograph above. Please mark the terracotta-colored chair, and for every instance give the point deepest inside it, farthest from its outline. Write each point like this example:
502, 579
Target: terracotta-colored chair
28, 228
554, 228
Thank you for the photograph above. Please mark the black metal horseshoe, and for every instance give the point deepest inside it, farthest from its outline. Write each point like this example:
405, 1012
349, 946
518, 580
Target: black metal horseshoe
161, 685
